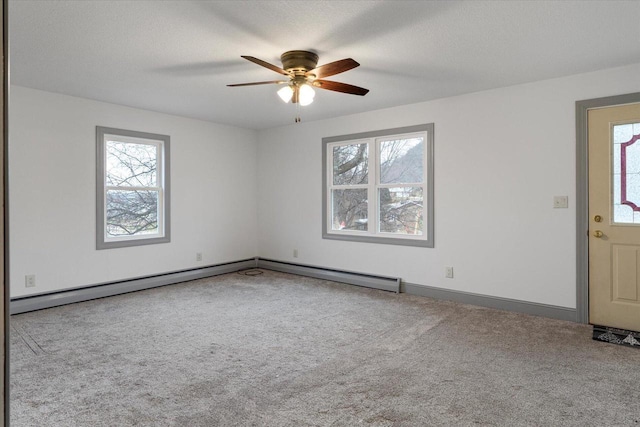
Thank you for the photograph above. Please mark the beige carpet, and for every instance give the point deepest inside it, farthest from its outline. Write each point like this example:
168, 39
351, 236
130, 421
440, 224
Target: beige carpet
284, 350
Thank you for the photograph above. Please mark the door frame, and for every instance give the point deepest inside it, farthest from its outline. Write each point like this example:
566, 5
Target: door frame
582, 194
4, 212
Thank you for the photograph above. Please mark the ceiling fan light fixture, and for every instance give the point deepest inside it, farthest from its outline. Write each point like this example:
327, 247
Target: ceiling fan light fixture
306, 94
286, 93
301, 68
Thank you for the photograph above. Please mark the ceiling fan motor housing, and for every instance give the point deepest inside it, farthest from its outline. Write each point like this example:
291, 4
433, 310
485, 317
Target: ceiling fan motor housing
299, 60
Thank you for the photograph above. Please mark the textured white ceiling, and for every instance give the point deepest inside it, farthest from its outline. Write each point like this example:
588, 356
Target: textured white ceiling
177, 56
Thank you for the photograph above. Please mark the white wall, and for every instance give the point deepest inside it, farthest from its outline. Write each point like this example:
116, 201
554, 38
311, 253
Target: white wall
500, 157
52, 193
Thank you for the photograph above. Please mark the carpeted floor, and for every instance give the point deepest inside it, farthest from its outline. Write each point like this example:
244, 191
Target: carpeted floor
285, 350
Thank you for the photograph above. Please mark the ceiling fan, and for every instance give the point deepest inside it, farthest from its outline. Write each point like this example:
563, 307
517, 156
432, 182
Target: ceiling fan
300, 66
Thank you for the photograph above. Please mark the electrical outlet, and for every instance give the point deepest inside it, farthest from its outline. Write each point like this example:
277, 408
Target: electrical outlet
295, 253
199, 256
560, 201
30, 281
448, 272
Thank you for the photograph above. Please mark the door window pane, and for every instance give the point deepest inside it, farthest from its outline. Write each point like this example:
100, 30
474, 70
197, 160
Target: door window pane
626, 174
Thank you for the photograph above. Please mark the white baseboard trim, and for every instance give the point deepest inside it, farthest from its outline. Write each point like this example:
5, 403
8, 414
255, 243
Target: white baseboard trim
41, 301
543, 310
353, 278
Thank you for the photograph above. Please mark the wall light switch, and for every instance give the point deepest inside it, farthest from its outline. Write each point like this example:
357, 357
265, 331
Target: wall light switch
560, 201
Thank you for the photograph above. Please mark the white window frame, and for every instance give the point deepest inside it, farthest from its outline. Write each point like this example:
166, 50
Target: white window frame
373, 234
161, 142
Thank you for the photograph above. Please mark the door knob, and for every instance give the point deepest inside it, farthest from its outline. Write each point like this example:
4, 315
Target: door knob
598, 234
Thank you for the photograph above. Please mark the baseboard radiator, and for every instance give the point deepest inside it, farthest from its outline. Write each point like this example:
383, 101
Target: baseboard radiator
393, 284
48, 300
353, 278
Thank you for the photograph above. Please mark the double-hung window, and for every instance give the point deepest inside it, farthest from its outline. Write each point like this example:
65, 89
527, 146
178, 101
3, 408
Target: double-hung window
378, 186
132, 188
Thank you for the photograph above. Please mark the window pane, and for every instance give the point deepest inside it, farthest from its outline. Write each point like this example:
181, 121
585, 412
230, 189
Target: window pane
401, 210
401, 161
131, 213
350, 164
349, 209
626, 173
131, 165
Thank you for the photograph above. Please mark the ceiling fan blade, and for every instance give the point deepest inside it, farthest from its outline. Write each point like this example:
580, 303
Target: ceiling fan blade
260, 83
265, 64
340, 87
333, 68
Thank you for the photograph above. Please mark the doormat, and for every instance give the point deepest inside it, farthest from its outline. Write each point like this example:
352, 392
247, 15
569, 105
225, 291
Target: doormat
616, 336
